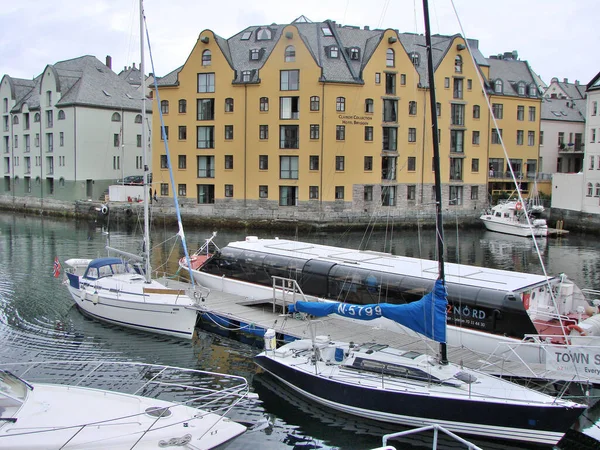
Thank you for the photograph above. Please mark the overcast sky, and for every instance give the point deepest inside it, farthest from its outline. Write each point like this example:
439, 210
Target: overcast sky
559, 39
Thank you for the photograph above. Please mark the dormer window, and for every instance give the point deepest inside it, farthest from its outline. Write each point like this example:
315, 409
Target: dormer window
290, 53
498, 87
390, 60
264, 34
415, 58
246, 76
354, 53
326, 31
521, 88
255, 54
206, 58
458, 62
532, 90
334, 51
246, 35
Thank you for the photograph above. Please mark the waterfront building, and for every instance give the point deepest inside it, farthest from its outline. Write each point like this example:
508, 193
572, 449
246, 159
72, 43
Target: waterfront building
293, 120
591, 201
69, 133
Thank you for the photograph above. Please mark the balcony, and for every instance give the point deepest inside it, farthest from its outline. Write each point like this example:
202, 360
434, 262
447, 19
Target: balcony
571, 148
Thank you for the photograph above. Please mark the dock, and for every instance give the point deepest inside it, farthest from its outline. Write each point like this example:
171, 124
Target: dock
557, 232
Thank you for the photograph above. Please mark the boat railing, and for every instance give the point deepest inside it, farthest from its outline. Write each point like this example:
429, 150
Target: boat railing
436, 430
591, 294
289, 289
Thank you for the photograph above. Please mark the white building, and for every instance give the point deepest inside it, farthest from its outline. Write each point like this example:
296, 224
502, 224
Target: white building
70, 132
591, 200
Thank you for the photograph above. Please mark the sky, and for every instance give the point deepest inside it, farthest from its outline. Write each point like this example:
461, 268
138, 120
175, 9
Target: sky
558, 39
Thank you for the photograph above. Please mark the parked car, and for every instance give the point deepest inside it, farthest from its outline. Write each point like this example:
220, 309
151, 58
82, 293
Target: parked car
132, 180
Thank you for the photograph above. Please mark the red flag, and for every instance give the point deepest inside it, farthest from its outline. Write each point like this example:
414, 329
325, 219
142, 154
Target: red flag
56, 267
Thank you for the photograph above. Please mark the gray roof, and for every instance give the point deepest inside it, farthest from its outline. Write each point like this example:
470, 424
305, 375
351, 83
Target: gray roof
573, 91
83, 81
563, 110
132, 75
511, 72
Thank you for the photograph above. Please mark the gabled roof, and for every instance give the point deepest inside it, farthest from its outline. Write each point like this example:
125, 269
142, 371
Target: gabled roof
563, 110
594, 84
511, 72
131, 75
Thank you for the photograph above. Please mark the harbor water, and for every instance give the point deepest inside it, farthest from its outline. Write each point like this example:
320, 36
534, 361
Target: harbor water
38, 321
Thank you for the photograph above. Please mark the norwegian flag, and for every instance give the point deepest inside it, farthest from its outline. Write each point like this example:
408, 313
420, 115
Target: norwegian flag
56, 267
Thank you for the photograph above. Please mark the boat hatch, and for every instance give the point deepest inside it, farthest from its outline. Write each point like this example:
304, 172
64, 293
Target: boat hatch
157, 411
396, 370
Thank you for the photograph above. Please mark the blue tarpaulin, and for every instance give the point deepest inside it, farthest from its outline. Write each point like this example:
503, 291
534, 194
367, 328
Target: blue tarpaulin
426, 316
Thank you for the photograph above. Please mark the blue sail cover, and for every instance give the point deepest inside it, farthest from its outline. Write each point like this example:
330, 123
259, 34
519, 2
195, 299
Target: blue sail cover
426, 316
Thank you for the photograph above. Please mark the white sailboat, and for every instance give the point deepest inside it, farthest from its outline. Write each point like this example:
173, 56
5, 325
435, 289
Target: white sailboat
120, 290
376, 381
146, 406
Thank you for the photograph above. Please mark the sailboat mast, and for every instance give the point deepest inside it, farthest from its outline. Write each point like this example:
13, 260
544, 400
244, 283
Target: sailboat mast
146, 184
436, 161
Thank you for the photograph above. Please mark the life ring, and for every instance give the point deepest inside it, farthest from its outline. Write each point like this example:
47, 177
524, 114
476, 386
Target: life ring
526, 301
577, 328
104, 210
519, 206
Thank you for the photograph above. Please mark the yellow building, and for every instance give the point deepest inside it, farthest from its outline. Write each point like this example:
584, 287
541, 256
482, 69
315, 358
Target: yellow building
317, 120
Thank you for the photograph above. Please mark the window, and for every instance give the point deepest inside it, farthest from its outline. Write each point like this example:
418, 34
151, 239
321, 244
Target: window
390, 110
474, 192
37, 140
340, 132
313, 192
520, 136
36, 117
246, 76
496, 134
368, 134
339, 192
458, 63
290, 54
377, 77
314, 131
334, 51
457, 91
340, 104
61, 137
590, 190
288, 196
476, 111
521, 88
164, 162
456, 169
182, 190
411, 192
5, 103
182, 134
388, 168
289, 80
593, 135
206, 166
246, 35
228, 132
475, 138
229, 105
412, 164
591, 163
48, 98
561, 139
164, 108
61, 116
531, 138
354, 53
412, 135
498, 87
313, 162
263, 132
229, 162
229, 190
532, 90
339, 163
456, 195
314, 103
412, 108
263, 162
541, 138
206, 58
597, 194
475, 165
532, 113
49, 119
288, 167
166, 133
264, 104
388, 195
138, 118
116, 140
206, 194
469, 84
390, 83
206, 108
289, 136
368, 194
289, 108
255, 54
447, 83
520, 112
368, 163
182, 106
206, 82
457, 141
369, 108
28, 143
205, 137
16, 141
458, 114
390, 138
263, 191
402, 79
497, 110
263, 34
116, 162
390, 58
182, 162
438, 109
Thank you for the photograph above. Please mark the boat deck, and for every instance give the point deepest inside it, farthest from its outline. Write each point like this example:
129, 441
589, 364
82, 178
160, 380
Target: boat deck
238, 313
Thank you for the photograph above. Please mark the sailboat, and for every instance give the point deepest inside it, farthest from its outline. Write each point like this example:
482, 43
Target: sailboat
120, 290
379, 382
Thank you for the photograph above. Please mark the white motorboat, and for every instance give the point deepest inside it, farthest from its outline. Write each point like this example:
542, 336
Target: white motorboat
100, 405
510, 217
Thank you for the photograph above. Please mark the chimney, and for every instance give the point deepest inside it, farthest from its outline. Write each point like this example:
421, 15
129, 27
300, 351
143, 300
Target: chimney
565, 80
577, 82
134, 65
367, 27
109, 62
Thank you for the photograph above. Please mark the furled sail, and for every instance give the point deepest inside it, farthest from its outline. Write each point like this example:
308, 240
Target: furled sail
426, 316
